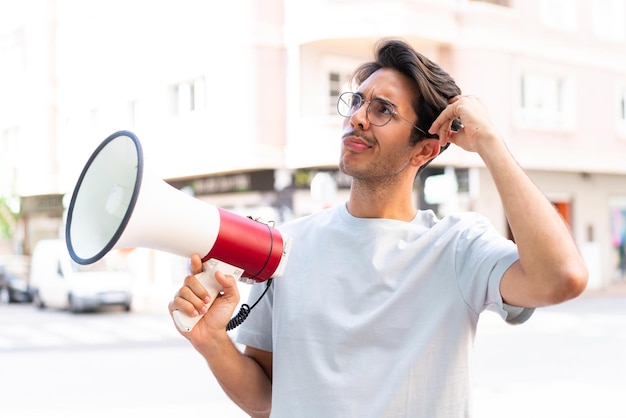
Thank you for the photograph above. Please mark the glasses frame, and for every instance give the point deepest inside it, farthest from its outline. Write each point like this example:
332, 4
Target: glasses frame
393, 113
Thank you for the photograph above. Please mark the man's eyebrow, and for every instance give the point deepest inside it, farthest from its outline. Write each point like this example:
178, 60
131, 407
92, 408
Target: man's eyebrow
382, 99
375, 97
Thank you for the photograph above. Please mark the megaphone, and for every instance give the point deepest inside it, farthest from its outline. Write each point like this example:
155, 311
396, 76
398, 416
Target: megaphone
115, 206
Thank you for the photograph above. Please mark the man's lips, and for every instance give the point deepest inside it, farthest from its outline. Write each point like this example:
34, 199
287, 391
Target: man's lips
355, 143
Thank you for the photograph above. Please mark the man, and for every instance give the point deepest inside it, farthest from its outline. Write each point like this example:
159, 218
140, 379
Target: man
376, 312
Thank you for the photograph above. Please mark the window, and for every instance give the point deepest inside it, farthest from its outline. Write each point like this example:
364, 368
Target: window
10, 137
337, 84
133, 113
95, 119
558, 14
334, 78
545, 100
617, 207
189, 96
333, 75
8, 159
199, 94
608, 19
505, 3
621, 110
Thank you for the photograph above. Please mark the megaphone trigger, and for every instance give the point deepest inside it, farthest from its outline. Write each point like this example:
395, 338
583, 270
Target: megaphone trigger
184, 322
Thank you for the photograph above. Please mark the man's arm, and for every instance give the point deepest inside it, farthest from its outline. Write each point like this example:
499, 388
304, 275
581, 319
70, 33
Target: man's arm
244, 377
550, 269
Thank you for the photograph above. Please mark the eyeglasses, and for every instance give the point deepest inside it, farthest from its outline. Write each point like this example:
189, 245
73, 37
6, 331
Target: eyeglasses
378, 113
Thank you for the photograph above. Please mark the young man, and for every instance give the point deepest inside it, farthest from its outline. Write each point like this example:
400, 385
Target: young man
376, 312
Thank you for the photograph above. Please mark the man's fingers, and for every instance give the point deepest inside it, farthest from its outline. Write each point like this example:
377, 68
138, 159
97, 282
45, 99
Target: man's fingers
197, 297
193, 284
228, 283
196, 264
444, 120
186, 307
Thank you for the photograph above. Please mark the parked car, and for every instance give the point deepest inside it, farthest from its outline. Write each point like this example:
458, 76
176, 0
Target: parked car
59, 282
14, 279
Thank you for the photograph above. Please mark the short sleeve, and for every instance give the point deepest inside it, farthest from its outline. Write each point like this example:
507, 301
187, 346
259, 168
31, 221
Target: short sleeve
256, 330
516, 315
482, 258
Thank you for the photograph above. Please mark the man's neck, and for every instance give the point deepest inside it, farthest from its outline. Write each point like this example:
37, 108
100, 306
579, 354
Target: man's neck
381, 201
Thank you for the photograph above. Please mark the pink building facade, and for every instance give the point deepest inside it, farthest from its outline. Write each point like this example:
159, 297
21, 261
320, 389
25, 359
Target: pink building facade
239, 105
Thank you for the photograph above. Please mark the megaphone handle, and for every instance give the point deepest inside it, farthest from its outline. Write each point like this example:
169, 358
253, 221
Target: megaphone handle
184, 322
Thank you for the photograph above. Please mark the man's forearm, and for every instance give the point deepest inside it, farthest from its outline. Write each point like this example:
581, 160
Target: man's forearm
241, 377
548, 253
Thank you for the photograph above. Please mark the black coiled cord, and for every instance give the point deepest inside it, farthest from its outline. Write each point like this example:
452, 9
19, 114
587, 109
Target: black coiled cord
245, 309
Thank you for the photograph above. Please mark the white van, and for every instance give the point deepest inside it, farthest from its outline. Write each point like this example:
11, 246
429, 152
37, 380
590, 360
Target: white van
59, 282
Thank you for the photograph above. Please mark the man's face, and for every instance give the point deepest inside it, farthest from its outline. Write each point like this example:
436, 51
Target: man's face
380, 152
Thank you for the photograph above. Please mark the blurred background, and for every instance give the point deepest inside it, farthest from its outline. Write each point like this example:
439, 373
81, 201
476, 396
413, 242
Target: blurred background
234, 102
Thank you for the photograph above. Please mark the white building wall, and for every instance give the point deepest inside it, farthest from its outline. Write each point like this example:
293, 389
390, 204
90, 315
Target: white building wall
576, 157
73, 72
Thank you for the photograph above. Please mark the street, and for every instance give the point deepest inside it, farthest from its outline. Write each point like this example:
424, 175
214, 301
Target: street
567, 361
112, 363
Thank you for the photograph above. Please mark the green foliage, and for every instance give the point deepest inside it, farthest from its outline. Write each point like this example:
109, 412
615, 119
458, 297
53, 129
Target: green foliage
8, 219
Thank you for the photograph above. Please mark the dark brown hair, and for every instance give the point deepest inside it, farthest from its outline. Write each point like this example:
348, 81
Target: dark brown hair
434, 86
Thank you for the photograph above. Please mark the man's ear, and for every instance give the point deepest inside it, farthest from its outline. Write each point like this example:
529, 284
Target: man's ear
424, 151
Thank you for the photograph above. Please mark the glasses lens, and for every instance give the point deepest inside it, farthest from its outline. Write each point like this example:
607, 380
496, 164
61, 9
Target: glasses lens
380, 112
348, 103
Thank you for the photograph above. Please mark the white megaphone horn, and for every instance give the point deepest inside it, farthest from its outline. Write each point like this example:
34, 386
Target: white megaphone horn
115, 206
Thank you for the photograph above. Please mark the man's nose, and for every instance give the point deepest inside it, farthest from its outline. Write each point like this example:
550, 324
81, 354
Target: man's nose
359, 117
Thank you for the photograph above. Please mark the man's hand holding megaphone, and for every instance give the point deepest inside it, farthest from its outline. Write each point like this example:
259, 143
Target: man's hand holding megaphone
193, 299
